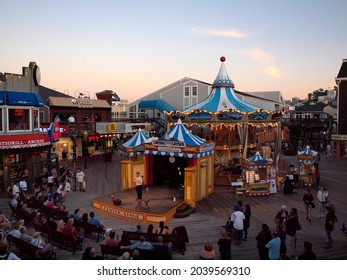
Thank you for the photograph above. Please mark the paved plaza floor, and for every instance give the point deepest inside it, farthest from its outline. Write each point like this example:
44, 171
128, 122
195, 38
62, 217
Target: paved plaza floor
213, 211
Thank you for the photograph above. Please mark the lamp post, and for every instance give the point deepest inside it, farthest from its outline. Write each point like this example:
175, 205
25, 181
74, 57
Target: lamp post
85, 148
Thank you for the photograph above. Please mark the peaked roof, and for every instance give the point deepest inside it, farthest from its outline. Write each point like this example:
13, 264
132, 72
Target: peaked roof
138, 139
343, 70
257, 159
307, 153
222, 96
181, 133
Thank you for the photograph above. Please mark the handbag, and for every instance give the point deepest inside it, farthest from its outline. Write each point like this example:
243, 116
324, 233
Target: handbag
313, 205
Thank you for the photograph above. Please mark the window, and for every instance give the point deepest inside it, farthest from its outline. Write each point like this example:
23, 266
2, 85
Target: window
42, 116
18, 119
36, 118
190, 96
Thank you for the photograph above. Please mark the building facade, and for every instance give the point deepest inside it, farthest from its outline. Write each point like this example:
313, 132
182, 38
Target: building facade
25, 150
340, 138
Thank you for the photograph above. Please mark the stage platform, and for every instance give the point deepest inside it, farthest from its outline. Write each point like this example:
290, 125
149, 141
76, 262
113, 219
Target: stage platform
160, 206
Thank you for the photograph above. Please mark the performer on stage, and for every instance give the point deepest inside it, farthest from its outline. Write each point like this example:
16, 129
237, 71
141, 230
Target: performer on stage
138, 183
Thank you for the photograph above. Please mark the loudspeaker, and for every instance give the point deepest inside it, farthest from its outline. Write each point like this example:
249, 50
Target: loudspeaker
117, 202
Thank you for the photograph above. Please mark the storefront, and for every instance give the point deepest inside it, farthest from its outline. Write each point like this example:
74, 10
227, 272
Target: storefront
24, 150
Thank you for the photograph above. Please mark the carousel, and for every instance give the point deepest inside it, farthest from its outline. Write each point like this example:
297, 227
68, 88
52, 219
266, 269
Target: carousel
306, 158
238, 128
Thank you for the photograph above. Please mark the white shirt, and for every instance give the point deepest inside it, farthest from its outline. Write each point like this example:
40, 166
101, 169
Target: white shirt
138, 180
237, 217
15, 189
23, 185
80, 176
71, 119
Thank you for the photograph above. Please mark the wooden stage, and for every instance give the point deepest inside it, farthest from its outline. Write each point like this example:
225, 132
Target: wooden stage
160, 204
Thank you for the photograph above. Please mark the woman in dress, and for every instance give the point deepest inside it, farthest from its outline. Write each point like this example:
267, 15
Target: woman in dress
308, 203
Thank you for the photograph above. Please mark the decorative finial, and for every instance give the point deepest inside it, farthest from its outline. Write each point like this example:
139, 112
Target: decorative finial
222, 58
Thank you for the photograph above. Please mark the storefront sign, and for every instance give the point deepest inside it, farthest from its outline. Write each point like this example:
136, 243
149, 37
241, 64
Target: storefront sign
169, 149
107, 127
112, 127
341, 137
24, 141
122, 213
169, 144
64, 129
207, 147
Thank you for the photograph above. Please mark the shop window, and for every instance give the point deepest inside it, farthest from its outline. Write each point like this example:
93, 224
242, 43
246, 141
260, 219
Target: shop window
18, 119
36, 119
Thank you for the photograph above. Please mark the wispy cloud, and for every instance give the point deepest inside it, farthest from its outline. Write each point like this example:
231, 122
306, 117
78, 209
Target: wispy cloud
266, 61
230, 33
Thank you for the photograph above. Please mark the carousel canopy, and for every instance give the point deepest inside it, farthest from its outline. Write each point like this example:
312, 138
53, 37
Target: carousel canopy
222, 96
181, 133
138, 139
307, 154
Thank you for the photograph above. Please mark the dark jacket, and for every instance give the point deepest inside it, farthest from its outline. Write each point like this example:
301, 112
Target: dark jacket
291, 225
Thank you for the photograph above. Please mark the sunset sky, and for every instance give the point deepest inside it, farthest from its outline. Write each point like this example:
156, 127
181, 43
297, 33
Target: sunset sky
136, 47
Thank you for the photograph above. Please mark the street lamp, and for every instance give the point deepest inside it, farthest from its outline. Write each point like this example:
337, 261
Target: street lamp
85, 148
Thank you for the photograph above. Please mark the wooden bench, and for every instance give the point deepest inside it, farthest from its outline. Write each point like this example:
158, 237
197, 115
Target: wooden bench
111, 250
25, 249
145, 254
89, 230
178, 242
59, 239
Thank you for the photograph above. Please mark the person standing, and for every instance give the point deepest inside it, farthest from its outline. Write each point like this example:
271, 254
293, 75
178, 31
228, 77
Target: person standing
322, 196
80, 177
263, 238
291, 226
330, 220
317, 176
224, 244
308, 203
138, 184
71, 119
274, 246
247, 221
64, 156
237, 218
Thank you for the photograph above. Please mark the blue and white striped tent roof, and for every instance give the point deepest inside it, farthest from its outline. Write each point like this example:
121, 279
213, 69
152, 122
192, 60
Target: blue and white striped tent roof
181, 133
138, 139
257, 159
307, 154
222, 96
